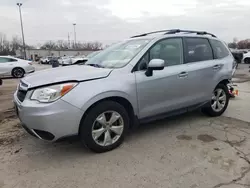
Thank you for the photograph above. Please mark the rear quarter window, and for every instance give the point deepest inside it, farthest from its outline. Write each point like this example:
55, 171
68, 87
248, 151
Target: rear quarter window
220, 50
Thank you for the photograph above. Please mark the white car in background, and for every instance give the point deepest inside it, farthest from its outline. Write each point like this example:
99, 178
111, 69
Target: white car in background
65, 60
15, 67
77, 59
71, 60
246, 58
46, 60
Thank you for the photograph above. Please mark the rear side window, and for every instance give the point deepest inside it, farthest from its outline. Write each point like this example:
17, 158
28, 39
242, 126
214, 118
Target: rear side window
220, 51
6, 60
197, 49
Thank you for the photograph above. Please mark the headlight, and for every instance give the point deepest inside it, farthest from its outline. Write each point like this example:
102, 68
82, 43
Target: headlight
51, 93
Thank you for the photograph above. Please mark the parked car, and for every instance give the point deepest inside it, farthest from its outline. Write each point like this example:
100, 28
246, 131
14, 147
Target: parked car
80, 59
77, 59
46, 60
66, 60
246, 58
15, 67
91, 55
144, 78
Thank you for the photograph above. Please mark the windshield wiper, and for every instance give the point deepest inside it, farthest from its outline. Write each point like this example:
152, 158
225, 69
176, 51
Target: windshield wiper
95, 65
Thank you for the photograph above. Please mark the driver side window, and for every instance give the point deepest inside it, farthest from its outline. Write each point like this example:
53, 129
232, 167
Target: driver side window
170, 50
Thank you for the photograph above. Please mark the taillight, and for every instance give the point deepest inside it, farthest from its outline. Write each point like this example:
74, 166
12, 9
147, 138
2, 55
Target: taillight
30, 63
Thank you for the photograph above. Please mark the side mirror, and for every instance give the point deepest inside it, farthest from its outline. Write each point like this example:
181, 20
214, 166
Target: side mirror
154, 64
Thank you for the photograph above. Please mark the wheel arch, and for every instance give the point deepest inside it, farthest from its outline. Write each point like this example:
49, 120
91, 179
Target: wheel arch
224, 81
120, 98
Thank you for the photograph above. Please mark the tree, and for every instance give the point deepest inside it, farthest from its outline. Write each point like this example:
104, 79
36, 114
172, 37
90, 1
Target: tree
63, 45
232, 45
48, 45
244, 44
60, 44
5, 48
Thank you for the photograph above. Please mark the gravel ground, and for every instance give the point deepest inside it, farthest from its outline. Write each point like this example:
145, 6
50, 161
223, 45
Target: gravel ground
190, 150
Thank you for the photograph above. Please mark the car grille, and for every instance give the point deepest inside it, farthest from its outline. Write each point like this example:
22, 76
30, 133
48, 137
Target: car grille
21, 95
22, 91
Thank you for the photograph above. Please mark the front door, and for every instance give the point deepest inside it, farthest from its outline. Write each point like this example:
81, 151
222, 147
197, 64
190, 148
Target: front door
164, 91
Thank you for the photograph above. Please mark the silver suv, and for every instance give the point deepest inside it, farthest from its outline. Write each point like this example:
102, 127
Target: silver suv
146, 77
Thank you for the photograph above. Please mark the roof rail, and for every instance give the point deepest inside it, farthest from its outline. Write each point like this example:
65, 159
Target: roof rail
145, 34
174, 31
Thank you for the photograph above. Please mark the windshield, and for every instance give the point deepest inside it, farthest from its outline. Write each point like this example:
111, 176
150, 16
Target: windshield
92, 54
118, 55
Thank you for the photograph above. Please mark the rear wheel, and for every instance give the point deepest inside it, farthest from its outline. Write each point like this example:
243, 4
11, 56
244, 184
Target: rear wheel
18, 72
219, 101
104, 127
247, 60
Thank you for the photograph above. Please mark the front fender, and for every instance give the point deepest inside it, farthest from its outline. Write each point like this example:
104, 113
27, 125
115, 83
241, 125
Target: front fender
109, 94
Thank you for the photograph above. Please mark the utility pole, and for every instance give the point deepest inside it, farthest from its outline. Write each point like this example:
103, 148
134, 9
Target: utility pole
20, 12
74, 25
68, 40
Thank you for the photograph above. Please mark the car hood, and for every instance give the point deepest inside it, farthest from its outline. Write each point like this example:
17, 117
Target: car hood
63, 74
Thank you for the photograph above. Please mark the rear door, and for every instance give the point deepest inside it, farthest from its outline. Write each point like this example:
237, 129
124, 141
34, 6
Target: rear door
202, 68
223, 57
6, 65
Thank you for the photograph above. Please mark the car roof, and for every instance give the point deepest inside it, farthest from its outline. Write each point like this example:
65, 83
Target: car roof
8, 56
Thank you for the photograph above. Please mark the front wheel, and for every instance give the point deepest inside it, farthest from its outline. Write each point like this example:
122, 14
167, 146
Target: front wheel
104, 127
219, 101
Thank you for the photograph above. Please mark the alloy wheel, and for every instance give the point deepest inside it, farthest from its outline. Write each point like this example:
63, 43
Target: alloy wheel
18, 73
218, 100
107, 128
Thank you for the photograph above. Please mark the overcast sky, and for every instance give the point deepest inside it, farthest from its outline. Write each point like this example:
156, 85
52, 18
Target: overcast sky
112, 20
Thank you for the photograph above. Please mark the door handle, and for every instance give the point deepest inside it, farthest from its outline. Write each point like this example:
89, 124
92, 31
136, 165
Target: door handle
215, 67
183, 75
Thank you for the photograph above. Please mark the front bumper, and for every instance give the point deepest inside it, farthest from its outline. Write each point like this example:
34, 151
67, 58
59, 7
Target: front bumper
30, 69
48, 121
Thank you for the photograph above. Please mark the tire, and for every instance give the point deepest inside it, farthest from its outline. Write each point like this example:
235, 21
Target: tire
89, 123
247, 60
18, 73
210, 111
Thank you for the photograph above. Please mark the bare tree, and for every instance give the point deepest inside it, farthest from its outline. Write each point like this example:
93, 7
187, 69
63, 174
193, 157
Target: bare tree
63, 45
60, 44
49, 45
5, 47
232, 45
16, 43
244, 44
